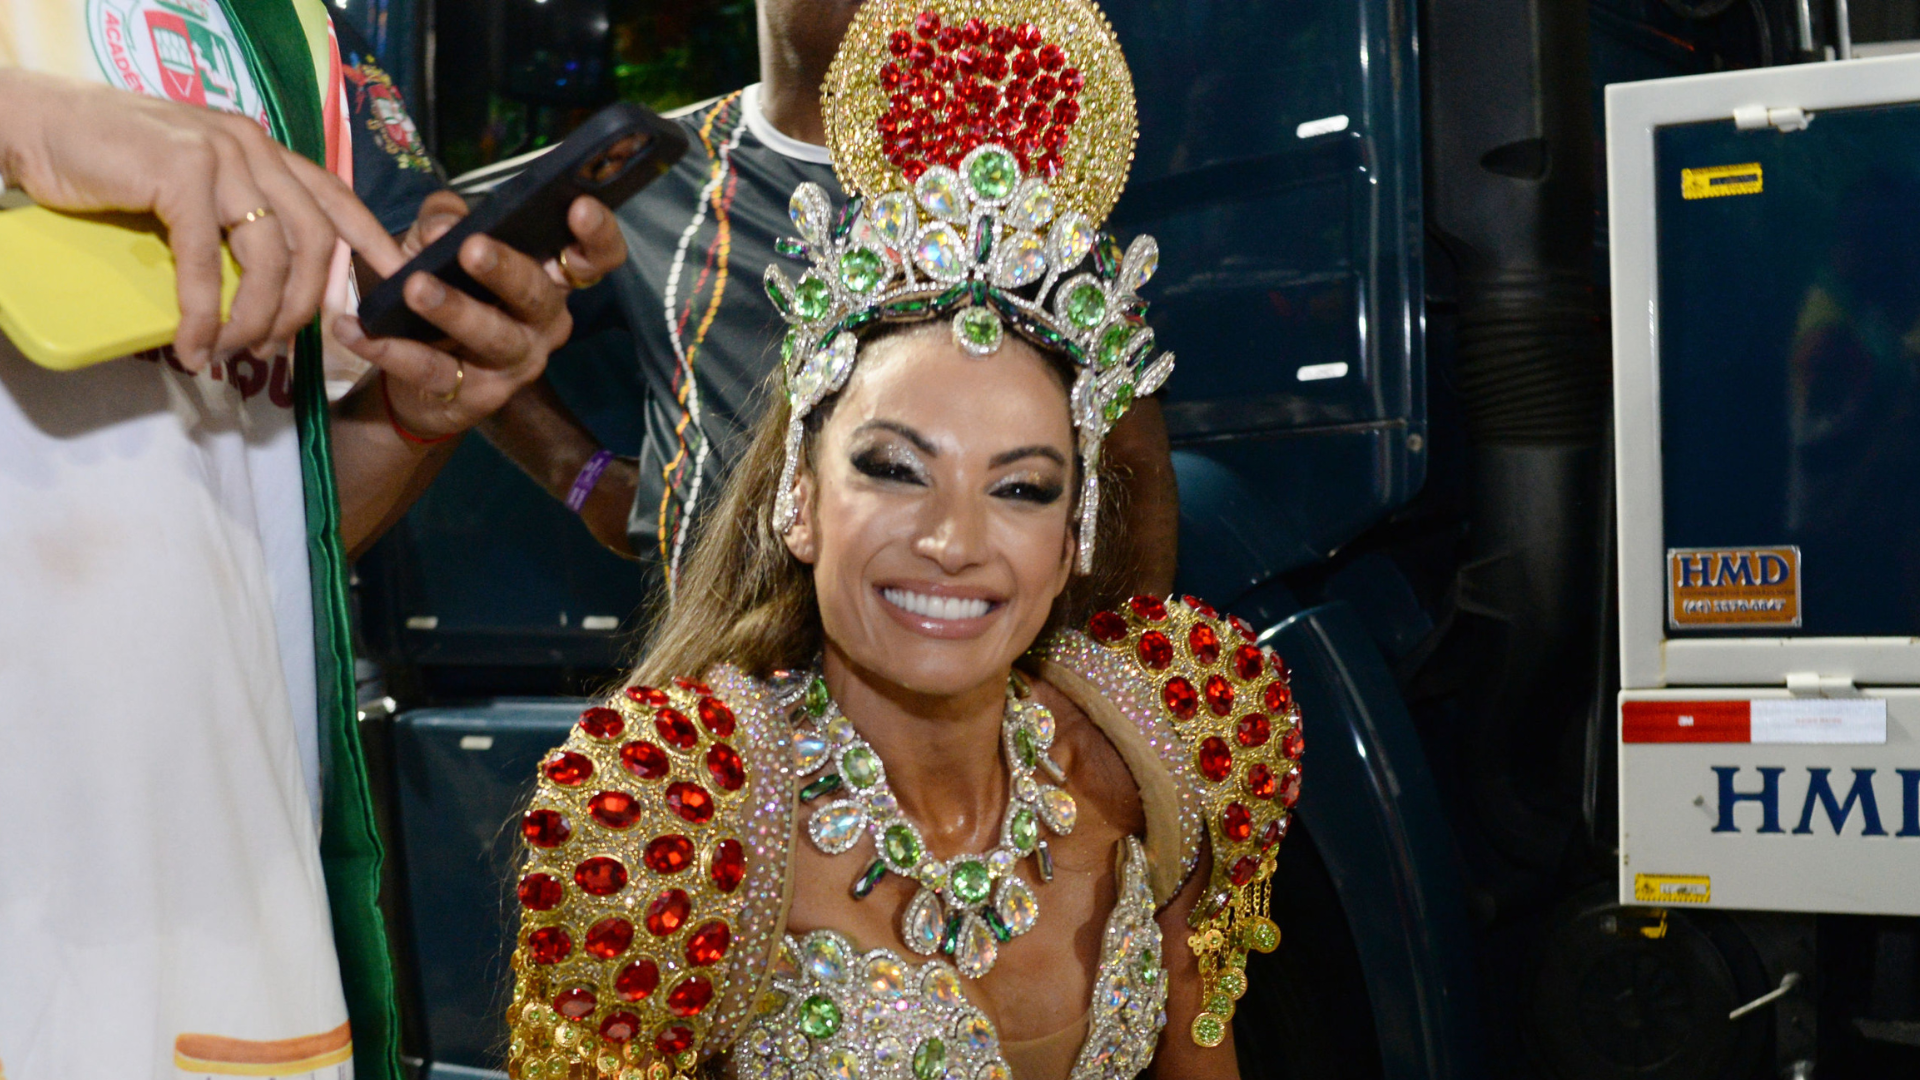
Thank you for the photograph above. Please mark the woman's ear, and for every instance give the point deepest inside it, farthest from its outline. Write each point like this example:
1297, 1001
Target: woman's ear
801, 537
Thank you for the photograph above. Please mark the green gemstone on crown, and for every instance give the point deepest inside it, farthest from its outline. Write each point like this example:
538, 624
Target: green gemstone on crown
1086, 304
812, 298
781, 301
860, 270
993, 174
979, 329
790, 247
1122, 401
1023, 746
929, 1060
901, 848
1024, 830
1112, 344
825, 785
819, 1017
788, 345
817, 697
860, 766
905, 309
970, 881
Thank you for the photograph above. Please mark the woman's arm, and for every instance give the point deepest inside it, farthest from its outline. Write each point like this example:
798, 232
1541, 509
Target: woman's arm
1179, 1057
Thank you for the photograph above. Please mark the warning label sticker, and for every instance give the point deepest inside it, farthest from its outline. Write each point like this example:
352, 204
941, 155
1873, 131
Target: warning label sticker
1717, 180
1720, 587
1672, 888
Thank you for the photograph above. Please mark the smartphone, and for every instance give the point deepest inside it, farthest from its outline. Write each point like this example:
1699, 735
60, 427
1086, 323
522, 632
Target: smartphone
77, 289
619, 150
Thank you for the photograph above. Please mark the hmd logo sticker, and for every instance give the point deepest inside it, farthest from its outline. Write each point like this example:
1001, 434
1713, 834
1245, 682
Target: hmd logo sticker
1733, 587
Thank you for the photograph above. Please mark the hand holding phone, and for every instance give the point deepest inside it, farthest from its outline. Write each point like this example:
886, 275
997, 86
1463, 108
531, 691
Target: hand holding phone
618, 151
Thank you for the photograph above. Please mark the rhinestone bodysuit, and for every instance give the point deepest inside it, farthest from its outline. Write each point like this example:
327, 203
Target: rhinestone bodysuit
836, 1013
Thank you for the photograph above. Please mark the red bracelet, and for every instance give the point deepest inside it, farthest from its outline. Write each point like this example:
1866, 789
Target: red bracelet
398, 429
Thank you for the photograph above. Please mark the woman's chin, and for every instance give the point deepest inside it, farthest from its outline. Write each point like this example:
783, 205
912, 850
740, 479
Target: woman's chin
935, 666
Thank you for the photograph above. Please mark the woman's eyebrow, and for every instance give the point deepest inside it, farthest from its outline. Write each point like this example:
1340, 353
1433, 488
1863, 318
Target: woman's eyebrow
918, 440
1010, 456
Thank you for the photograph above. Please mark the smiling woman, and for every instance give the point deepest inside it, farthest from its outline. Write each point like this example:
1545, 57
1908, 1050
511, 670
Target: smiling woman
1031, 851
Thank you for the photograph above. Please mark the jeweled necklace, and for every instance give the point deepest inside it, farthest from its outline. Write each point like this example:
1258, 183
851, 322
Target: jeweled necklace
969, 904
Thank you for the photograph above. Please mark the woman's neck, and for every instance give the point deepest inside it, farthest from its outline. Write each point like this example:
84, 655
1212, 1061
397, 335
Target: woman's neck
942, 753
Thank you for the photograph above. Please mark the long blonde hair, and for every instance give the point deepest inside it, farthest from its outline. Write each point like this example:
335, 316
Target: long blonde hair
744, 599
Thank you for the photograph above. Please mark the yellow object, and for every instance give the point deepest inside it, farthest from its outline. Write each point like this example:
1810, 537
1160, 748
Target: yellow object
1711, 183
1673, 888
76, 289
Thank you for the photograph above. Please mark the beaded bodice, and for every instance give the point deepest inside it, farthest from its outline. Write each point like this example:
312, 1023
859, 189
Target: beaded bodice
836, 1013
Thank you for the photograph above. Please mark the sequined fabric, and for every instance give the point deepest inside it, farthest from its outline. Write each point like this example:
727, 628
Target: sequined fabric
836, 1013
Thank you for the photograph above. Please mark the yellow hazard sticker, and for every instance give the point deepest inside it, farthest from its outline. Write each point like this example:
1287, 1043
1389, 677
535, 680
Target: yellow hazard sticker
1672, 888
1717, 180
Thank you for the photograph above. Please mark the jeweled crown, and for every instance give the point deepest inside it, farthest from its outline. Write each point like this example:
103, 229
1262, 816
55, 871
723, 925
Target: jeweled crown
983, 143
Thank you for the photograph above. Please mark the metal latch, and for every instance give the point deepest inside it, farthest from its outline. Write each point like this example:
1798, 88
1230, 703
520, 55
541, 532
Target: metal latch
1787, 983
1814, 684
1755, 117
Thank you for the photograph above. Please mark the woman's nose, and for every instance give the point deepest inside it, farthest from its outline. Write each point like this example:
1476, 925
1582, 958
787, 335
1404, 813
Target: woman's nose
955, 537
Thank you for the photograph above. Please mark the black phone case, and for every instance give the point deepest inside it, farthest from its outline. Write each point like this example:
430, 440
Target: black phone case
529, 212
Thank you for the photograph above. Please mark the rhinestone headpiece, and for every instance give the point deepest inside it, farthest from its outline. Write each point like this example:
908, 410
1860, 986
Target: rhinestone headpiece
982, 144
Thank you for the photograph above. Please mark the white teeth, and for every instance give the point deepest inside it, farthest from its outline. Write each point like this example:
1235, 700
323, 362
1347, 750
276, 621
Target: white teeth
935, 607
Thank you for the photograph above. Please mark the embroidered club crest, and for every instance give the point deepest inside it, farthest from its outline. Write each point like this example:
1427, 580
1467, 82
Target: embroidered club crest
386, 112
181, 50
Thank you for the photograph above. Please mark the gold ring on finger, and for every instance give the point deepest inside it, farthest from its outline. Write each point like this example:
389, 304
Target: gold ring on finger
258, 213
459, 379
574, 279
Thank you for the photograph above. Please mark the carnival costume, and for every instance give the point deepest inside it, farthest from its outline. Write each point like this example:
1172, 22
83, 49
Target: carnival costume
983, 142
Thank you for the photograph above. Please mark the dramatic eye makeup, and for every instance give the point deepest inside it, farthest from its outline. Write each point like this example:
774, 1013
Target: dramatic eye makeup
886, 460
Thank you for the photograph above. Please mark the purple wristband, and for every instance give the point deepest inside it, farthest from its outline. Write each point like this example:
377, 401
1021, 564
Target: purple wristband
589, 476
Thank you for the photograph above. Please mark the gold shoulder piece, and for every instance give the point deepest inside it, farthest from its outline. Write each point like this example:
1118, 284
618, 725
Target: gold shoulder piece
1231, 703
631, 890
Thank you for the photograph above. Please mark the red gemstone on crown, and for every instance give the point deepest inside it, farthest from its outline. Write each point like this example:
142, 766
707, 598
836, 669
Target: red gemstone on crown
1027, 35
1275, 832
729, 865
690, 801
1071, 81
602, 723
942, 68
1201, 606
927, 24
1000, 38
1203, 644
921, 55
1107, 627
668, 913
1292, 744
1181, 698
692, 686
614, 809
669, 854
1243, 870
1246, 663
1241, 626
545, 828
1155, 650
975, 31
1025, 66
1044, 87
1279, 695
644, 760
899, 42
637, 980
1253, 730
568, 768
716, 717
540, 892
620, 1027
674, 1040
675, 728
1237, 822
708, 945
609, 938
1150, 608
724, 764
690, 996
1290, 788
1066, 111
647, 695
549, 945
995, 66
600, 876
1219, 695
575, 1004
1279, 666
948, 39
1215, 759
1052, 57
1260, 780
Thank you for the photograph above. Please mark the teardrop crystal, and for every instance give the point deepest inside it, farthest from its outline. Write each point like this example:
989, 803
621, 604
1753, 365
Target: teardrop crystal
809, 750
941, 253
835, 826
977, 949
1017, 906
1058, 810
1022, 261
894, 218
921, 924
825, 957
809, 210
1031, 207
940, 194
1069, 241
1143, 258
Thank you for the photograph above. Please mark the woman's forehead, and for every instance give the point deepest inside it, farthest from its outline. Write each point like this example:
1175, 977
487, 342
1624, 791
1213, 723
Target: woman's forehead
923, 379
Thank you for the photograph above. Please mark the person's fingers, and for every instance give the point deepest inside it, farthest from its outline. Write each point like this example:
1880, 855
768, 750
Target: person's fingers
259, 246
523, 288
412, 363
193, 233
488, 335
350, 217
309, 236
598, 249
439, 212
